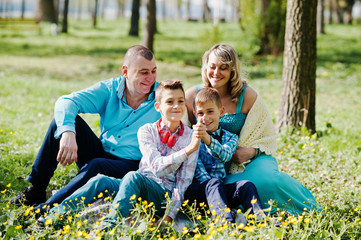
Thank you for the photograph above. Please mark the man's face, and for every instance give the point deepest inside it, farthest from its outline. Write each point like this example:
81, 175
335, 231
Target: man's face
141, 75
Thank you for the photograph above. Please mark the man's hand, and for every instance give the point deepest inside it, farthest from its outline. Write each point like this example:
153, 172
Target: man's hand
68, 149
243, 154
200, 131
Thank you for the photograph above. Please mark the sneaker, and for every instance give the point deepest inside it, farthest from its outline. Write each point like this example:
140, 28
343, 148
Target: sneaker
28, 196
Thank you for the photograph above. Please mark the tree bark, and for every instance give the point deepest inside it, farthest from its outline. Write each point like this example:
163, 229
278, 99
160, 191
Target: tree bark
47, 11
330, 19
64, 28
95, 14
320, 17
299, 66
22, 9
148, 37
134, 20
206, 11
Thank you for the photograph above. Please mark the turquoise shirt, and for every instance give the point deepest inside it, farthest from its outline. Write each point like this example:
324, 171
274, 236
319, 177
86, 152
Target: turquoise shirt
119, 123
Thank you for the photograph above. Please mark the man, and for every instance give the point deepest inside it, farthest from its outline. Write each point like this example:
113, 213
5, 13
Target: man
124, 104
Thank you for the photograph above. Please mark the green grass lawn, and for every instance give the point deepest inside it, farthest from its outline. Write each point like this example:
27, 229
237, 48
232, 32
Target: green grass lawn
35, 69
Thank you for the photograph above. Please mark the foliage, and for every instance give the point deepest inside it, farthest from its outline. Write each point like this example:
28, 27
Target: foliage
36, 69
265, 30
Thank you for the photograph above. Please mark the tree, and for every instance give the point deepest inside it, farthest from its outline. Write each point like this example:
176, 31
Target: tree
22, 9
134, 20
64, 28
47, 10
150, 29
95, 14
206, 11
349, 6
299, 66
320, 17
120, 12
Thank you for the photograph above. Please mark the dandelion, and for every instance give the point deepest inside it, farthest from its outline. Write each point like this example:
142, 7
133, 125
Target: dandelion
66, 229
18, 227
48, 221
79, 234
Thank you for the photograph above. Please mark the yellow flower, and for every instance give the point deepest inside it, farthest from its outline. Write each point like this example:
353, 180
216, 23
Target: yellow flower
253, 201
185, 230
240, 226
31, 238
185, 203
152, 229
66, 229
48, 221
197, 236
227, 210
307, 220
166, 194
79, 234
78, 224
27, 211
70, 218
18, 227
4, 223
172, 238
9, 185
3, 191
132, 197
100, 195
199, 217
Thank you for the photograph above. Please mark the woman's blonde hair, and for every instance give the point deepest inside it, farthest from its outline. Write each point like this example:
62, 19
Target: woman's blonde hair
228, 56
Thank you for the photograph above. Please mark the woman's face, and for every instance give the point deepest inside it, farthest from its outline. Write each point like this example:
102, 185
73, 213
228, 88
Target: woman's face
218, 73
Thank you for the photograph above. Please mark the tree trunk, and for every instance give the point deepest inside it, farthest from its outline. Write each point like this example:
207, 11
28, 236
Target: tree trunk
46, 11
104, 6
320, 21
64, 28
188, 10
120, 12
148, 37
330, 19
206, 11
134, 20
95, 14
339, 12
349, 6
22, 9
299, 66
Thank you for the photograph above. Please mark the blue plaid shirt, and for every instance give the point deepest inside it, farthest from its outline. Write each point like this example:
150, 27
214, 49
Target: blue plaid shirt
212, 158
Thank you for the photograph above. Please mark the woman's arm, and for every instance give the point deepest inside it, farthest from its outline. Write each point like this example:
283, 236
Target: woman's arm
190, 93
244, 154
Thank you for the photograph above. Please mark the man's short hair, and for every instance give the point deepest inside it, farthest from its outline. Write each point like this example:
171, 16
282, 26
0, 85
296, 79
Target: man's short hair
207, 94
137, 50
167, 84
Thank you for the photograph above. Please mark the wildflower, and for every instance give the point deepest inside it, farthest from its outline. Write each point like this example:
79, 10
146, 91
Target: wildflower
172, 238
31, 238
78, 223
240, 226
9, 185
37, 210
27, 211
48, 221
249, 229
3, 191
100, 195
70, 218
253, 201
166, 194
132, 197
66, 229
55, 204
307, 220
197, 236
185, 203
152, 229
116, 205
79, 234
199, 217
185, 230
196, 230
18, 227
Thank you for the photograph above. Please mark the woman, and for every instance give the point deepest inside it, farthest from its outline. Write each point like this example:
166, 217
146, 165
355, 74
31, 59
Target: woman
247, 116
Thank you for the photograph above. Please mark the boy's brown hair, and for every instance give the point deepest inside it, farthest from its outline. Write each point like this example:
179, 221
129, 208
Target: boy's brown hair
167, 84
207, 94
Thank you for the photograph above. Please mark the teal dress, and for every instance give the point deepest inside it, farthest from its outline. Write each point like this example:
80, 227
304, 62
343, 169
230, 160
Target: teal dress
289, 194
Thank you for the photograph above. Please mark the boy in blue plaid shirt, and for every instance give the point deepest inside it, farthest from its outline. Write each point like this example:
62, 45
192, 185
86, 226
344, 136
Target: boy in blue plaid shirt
216, 149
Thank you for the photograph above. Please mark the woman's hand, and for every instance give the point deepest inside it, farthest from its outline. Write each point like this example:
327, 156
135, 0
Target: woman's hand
243, 154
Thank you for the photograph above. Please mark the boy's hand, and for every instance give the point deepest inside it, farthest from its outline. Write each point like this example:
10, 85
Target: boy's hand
201, 132
193, 145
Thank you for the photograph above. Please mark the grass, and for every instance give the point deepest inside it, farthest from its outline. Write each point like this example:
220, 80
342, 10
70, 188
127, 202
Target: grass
35, 69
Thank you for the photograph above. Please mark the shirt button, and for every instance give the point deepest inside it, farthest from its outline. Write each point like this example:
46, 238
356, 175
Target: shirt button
133, 111
127, 125
118, 136
113, 150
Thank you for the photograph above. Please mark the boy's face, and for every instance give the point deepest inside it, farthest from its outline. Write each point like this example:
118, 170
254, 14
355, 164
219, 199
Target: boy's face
172, 105
209, 113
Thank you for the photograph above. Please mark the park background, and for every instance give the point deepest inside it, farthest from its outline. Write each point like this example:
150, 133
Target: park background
37, 66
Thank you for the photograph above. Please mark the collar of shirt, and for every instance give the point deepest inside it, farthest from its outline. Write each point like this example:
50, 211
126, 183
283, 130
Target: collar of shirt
165, 128
121, 89
217, 135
